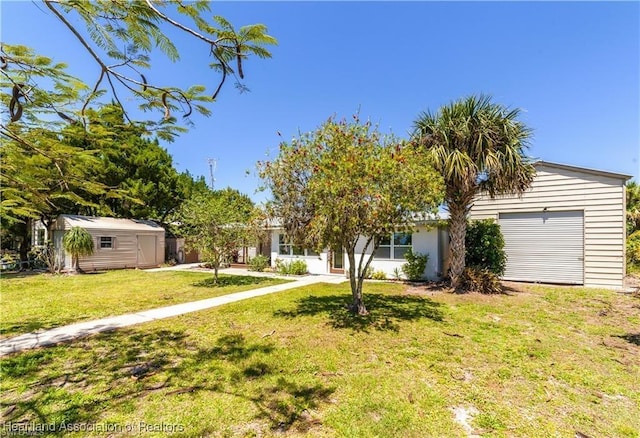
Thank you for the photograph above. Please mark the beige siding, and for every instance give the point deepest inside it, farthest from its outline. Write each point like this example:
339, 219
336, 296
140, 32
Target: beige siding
600, 196
124, 253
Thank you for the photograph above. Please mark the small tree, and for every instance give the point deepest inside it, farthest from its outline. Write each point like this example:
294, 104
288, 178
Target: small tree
485, 246
47, 256
78, 242
344, 182
216, 223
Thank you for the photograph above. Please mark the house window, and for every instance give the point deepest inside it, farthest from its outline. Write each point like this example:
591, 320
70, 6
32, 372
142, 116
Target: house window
40, 240
384, 249
401, 245
106, 242
394, 247
285, 248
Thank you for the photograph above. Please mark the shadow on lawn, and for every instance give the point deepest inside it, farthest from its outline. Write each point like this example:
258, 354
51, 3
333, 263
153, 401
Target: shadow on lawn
231, 280
633, 338
385, 311
116, 372
14, 329
22, 274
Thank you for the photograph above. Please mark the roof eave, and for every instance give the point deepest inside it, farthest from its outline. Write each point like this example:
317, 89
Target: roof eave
616, 175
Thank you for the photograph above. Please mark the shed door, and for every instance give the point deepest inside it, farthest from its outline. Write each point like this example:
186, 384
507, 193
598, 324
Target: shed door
146, 250
546, 247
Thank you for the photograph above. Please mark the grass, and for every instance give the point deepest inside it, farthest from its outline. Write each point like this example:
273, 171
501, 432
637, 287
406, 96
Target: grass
544, 362
44, 301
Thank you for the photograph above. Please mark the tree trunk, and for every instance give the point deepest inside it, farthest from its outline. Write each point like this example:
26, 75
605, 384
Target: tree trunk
74, 265
25, 244
358, 306
457, 232
78, 268
355, 281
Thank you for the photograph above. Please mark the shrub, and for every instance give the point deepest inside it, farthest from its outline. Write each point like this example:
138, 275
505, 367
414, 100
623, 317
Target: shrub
397, 275
45, 257
78, 242
379, 275
633, 252
414, 268
481, 280
258, 263
294, 267
369, 272
485, 247
298, 267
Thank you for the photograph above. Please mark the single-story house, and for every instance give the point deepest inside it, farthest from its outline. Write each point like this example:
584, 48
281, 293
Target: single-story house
427, 238
118, 243
567, 228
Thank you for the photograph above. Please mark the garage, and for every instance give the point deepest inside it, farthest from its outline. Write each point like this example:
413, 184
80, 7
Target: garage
545, 246
568, 227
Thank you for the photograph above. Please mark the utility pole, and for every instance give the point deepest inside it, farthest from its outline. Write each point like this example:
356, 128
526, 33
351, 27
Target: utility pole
212, 168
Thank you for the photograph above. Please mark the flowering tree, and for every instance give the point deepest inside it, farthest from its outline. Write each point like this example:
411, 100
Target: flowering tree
344, 182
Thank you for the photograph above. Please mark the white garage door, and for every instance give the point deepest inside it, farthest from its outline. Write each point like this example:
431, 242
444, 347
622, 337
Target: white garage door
546, 247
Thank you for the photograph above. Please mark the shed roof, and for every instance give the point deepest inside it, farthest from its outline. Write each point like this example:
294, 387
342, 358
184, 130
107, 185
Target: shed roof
583, 169
109, 223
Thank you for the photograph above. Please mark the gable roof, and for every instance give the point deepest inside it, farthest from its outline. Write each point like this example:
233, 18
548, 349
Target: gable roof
418, 219
108, 223
582, 169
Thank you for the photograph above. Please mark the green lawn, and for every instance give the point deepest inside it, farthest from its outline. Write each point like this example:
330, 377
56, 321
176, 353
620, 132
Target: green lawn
539, 363
43, 301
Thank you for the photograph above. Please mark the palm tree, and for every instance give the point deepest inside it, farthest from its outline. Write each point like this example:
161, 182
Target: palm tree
78, 242
479, 147
633, 207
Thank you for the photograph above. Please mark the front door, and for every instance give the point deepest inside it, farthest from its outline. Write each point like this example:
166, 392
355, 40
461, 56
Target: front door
337, 262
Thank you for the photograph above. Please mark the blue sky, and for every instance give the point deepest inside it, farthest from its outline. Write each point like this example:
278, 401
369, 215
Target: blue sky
573, 67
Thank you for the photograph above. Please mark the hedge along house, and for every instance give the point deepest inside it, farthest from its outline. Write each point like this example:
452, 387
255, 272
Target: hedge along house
567, 228
118, 243
428, 237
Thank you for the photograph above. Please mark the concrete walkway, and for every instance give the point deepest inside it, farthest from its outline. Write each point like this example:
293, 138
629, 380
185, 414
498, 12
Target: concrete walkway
74, 331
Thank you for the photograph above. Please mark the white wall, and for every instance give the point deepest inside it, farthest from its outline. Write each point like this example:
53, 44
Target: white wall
316, 264
424, 240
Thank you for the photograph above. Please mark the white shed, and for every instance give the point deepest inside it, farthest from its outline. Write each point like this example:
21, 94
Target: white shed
567, 228
118, 243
